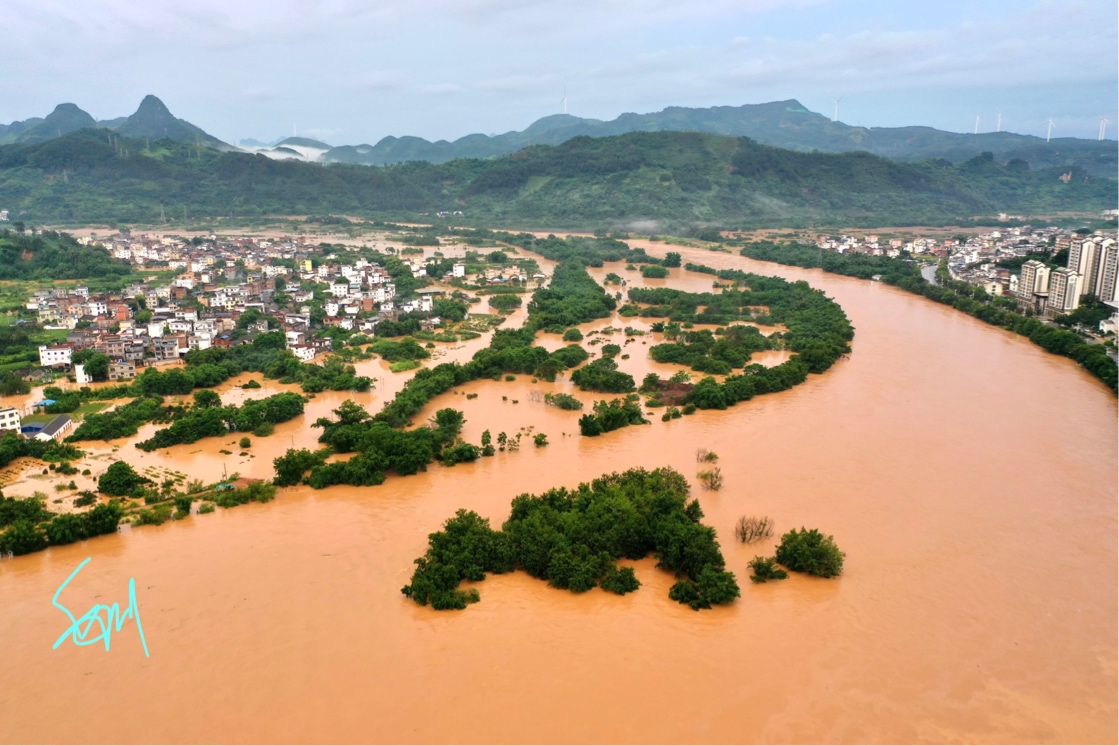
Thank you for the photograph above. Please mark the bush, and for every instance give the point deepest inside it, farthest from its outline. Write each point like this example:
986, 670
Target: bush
810, 552
753, 529
22, 537
766, 569
573, 335
711, 480
85, 498
563, 401
251, 384
206, 507
654, 271
713, 586
612, 415
119, 479
460, 453
66, 529
505, 302
620, 580
263, 430
245, 442
156, 516
540, 439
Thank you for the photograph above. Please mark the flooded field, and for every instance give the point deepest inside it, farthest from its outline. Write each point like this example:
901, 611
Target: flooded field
969, 476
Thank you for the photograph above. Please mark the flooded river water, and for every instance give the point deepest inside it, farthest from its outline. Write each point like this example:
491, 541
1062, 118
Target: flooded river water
969, 476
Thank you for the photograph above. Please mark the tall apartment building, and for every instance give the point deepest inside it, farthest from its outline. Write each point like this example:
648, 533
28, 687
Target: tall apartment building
1108, 264
1082, 259
1033, 286
1095, 260
1034, 279
1064, 291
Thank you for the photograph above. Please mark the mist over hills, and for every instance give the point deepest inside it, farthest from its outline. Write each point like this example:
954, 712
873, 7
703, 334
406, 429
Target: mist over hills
639, 178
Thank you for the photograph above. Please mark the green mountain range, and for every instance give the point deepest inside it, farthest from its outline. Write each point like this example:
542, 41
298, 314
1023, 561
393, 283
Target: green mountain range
655, 179
151, 121
784, 124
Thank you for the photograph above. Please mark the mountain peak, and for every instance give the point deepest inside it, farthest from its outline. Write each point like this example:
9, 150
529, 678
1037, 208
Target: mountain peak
152, 105
154, 120
66, 109
65, 118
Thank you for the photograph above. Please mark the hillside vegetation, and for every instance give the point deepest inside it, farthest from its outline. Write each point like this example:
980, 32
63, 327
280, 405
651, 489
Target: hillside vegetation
681, 178
54, 256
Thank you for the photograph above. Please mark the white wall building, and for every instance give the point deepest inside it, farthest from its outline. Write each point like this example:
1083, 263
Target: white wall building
54, 355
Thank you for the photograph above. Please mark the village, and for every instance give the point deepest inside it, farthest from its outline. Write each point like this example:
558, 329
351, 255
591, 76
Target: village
226, 291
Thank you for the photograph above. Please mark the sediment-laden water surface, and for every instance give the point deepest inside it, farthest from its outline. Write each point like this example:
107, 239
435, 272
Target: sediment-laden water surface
969, 476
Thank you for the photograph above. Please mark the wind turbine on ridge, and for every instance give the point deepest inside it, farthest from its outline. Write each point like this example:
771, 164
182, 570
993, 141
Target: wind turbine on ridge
998, 121
977, 124
564, 100
1103, 127
1049, 131
836, 117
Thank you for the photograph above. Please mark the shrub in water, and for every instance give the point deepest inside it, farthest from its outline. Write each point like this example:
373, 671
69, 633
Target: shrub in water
766, 569
810, 552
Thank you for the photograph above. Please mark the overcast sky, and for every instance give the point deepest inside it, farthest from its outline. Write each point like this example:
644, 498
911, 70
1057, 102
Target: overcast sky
351, 71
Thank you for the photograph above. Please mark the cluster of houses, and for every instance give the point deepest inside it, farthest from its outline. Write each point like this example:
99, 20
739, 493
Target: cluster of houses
218, 281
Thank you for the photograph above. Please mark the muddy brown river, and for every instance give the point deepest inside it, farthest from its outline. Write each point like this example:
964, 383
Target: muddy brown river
969, 476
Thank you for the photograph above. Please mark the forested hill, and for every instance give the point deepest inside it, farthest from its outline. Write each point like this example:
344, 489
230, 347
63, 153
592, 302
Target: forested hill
784, 124
672, 177
54, 256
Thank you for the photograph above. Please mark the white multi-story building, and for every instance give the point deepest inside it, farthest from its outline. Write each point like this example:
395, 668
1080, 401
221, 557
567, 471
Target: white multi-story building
1083, 260
10, 419
1107, 284
1034, 279
1095, 260
1064, 291
54, 355
306, 353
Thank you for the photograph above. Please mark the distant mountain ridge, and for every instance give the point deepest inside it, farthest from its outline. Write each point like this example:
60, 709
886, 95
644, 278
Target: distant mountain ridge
784, 124
152, 120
